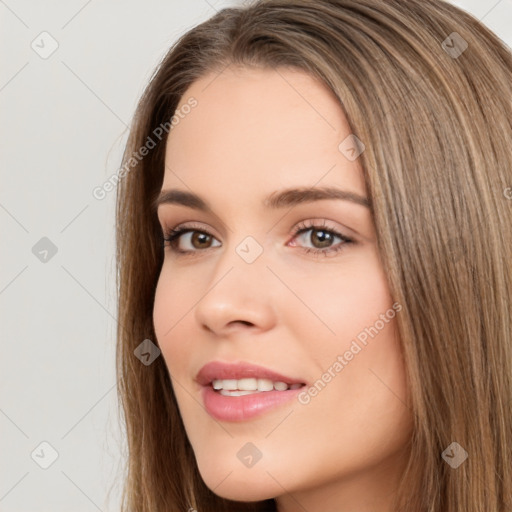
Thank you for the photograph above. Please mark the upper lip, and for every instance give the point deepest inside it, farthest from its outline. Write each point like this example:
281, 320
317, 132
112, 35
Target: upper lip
219, 370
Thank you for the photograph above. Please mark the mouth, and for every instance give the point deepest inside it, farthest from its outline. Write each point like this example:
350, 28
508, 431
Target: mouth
243, 391
245, 377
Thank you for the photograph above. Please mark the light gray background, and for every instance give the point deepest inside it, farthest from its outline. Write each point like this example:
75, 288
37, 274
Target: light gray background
63, 125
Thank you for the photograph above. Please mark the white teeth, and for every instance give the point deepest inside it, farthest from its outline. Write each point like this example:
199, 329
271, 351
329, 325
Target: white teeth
236, 393
230, 384
250, 385
247, 384
265, 385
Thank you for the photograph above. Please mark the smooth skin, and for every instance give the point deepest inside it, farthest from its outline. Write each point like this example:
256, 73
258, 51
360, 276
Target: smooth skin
255, 132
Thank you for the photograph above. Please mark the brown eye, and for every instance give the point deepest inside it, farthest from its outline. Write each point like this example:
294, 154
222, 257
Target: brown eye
194, 240
200, 240
320, 241
321, 238
318, 238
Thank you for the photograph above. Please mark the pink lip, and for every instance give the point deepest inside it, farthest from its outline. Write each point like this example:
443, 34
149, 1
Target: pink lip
245, 407
219, 370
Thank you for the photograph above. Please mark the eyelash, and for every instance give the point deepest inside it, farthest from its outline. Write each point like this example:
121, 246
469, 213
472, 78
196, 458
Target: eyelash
172, 237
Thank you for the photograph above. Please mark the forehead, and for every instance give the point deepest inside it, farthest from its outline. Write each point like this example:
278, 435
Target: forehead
259, 129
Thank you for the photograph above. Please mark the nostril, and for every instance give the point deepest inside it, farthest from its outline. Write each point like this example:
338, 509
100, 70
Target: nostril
245, 322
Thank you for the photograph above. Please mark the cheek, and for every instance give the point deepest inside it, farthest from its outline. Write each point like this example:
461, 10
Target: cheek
351, 316
342, 300
170, 315
359, 379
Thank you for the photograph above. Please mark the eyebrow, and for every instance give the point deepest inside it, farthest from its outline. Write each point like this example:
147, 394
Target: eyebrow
280, 199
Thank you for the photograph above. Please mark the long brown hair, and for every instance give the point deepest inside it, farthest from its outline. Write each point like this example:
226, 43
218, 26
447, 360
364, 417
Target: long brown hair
427, 88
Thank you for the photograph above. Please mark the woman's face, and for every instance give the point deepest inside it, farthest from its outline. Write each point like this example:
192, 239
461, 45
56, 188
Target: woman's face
249, 290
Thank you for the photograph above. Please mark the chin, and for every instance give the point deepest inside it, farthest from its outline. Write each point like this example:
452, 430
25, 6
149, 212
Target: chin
242, 484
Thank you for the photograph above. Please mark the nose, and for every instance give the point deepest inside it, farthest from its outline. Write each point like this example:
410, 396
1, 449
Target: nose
238, 297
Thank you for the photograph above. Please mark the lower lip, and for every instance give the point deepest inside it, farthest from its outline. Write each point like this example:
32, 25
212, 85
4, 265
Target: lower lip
245, 407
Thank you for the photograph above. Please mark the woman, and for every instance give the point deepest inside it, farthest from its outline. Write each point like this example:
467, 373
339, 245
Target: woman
314, 253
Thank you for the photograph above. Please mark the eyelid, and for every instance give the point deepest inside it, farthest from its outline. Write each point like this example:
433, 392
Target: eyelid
314, 222
318, 223
186, 226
